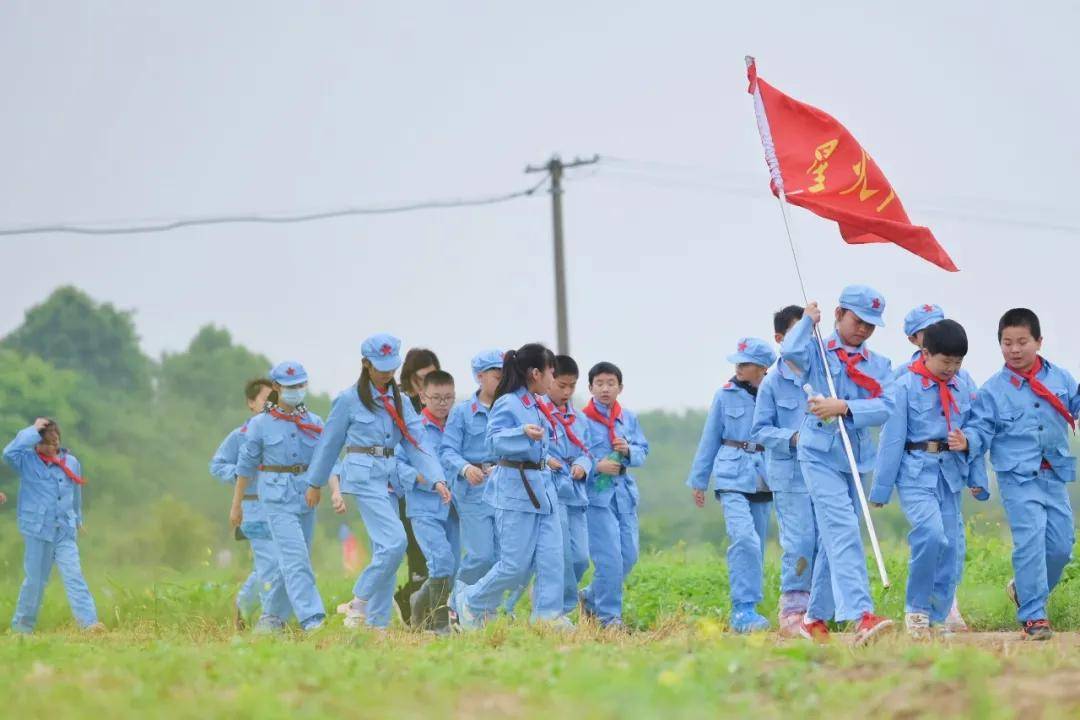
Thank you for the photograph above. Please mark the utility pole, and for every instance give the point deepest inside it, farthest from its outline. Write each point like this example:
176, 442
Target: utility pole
555, 167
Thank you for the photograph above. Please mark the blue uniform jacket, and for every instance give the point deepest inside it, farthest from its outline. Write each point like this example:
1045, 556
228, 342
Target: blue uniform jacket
918, 417
350, 423
272, 441
506, 440
1020, 429
464, 443
421, 500
778, 413
818, 440
48, 499
571, 492
734, 469
624, 488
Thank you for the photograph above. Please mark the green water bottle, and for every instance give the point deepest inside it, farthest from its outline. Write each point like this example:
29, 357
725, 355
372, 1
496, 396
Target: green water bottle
603, 480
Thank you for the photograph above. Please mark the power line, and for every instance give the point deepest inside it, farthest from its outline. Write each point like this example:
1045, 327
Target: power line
166, 225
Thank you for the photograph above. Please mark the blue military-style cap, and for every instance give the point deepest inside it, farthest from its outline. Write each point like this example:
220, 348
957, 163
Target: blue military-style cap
289, 373
866, 302
753, 350
487, 360
383, 350
921, 318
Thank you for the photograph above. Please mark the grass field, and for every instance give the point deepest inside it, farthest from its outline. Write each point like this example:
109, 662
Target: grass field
171, 652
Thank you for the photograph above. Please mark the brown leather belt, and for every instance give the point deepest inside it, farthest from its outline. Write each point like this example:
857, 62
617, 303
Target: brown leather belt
930, 446
521, 467
251, 497
291, 469
373, 450
744, 445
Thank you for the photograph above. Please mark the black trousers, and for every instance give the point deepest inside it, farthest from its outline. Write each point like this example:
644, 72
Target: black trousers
416, 563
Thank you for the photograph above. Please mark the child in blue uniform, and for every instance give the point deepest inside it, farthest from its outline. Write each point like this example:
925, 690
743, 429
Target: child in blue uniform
778, 414
468, 464
727, 455
428, 507
255, 529
50, 517
372, 422
275, 453
915, 324
1023, 415
523, 493
863, 400
923, 454
616, 443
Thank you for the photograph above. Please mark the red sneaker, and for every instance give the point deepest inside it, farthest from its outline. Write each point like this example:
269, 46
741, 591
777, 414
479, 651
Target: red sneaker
814, 630
869, 627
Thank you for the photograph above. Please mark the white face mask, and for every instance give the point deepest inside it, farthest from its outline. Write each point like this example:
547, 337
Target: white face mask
293, 396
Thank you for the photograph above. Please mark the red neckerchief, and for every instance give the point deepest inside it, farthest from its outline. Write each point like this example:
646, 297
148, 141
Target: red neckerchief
1042, 391
546, 409
393, 413
948, 402
309, 429
566, 420
59, 462
441, 424
609, 422
857, 376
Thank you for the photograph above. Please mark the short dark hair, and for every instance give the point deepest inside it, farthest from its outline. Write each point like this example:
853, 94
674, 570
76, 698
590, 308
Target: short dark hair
783, 319
565, 365
253, 387
604, 368
946, 337
438, 377
1020, 317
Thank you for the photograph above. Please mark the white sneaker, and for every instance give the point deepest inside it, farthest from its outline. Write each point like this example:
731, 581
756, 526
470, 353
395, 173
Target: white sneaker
356, 614
918, 625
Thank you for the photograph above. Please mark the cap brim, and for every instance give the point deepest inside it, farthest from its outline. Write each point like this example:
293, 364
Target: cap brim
874, 319
293, 382
485, 368
386, 364
740, 358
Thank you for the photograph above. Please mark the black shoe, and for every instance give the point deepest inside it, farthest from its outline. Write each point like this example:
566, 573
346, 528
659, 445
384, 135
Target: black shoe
420, 607
439, 619
1037, 630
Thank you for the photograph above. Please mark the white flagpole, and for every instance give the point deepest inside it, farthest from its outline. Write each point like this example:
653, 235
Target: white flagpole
778, 182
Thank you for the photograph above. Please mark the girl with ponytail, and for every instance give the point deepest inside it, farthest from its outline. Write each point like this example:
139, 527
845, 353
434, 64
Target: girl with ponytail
373, 424
523, 492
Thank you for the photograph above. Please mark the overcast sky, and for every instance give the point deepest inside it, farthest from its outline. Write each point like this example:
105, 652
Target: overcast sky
132, 110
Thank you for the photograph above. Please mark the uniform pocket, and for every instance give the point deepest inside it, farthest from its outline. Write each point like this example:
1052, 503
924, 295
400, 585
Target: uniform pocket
273, 488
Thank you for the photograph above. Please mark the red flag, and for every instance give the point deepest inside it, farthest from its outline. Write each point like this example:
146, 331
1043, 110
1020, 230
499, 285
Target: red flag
817, 164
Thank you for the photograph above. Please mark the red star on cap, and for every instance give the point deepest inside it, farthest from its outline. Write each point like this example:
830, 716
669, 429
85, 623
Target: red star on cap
742, 346
928, 308
290, 371
386, 349
875, 303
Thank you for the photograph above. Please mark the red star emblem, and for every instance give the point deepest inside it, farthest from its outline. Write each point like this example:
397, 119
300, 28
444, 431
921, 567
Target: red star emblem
928, 308
727, 386
742, 346
832, 344
1015, 381
875, 303
290, 371
386, 349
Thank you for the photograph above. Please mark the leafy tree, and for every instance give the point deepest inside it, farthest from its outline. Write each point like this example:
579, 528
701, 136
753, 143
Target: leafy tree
72, 332
211, 373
